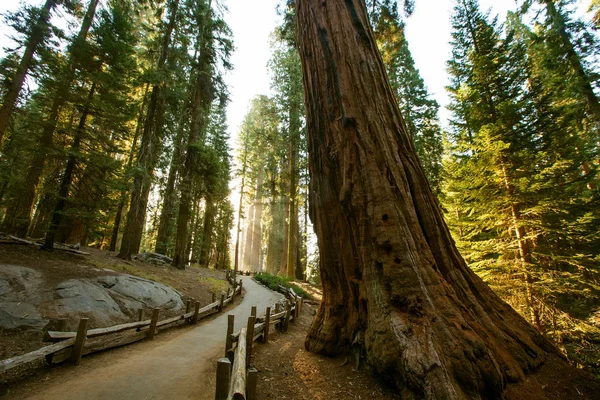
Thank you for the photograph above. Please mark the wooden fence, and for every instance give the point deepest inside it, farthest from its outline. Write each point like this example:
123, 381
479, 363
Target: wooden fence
236, 377
73, 345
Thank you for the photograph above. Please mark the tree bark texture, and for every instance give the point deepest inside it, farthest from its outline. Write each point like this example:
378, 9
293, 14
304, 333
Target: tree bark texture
394, 284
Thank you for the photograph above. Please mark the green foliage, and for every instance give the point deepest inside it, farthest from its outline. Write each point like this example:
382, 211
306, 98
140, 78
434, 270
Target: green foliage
272, 281
520, 189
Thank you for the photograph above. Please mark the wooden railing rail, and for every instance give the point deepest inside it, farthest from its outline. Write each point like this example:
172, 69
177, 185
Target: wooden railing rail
236, 378
73, 345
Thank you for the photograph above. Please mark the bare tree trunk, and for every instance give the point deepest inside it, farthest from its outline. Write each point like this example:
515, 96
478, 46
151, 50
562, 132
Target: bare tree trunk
38, 32
395, 286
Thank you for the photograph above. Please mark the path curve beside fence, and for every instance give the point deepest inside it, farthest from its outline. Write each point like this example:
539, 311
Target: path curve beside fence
172, 369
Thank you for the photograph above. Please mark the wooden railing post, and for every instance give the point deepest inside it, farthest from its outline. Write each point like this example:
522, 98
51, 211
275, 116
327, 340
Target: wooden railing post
234, 288
251, 381
249, 338
297, 311
61, 326
221, 302
267, 324
286, 321
141, 314
153, 322
253, 311
214, 297
79, 341
230, 321
240, 286
196, 311
228, 291
223, 378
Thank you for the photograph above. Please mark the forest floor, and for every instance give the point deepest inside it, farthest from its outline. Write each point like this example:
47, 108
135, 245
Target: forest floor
58, 266
288, 371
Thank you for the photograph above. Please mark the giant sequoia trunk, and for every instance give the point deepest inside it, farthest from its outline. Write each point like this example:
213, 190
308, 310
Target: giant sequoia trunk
394, 283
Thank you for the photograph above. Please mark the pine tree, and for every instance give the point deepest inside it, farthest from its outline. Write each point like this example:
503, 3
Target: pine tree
38, 32
418, 109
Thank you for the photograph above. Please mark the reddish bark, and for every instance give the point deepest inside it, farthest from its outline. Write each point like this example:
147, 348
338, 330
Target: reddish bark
395, 287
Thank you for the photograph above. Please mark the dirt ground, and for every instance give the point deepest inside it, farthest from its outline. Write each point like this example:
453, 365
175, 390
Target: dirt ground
288, 371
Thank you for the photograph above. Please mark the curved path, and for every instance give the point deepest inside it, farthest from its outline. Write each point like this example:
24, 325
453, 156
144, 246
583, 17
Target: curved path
175, 368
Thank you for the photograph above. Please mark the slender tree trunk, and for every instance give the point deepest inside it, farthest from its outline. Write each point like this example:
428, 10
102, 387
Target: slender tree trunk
204, 93
11, 96
292, 248
123, 197
207, 237
257, 223
286, 235
394, 284
236, 261
148, 155
275, 238
168, 209
67, 179
248, 235
18, 215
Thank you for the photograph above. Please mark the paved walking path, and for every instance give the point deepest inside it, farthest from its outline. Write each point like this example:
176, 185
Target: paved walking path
173, 369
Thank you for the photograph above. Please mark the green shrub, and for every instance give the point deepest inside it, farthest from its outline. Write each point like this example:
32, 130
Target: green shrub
271, 281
